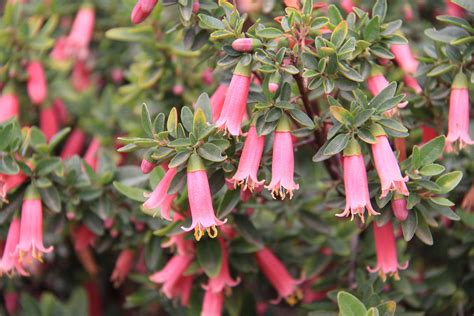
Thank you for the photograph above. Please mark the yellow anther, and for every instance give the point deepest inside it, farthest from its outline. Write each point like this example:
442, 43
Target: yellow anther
212, 231
198, 233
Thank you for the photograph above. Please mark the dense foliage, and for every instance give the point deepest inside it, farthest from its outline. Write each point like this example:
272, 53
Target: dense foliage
202, 157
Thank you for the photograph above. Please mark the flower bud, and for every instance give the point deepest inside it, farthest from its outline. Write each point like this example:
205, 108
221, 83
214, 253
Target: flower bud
246, 44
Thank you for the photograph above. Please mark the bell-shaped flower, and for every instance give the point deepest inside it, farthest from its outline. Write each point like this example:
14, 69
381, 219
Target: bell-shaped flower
200, 200
386, 250
235, 103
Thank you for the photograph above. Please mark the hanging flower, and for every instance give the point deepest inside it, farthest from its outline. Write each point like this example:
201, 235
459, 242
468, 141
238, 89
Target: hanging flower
159, 199
80, 76
347, 5
386, 250
399, 207
217, 101
81, 33
355, 183
36, 85
223, 280
147, 166
122, 267
249, 6
83, 238
9, 106
31, 228
458, 125
387, 165
9, 264
142, 10
246, 174
48, 122
200, 200
283, 163
74, 144
212, 303
171, 273
427, 133
279, 277
404, 58
235, 103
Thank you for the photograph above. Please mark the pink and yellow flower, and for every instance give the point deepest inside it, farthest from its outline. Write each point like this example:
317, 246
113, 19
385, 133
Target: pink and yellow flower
223, 280
31, 227
235, 103
159, 199
386, 250
10, 263
355, 183
171, 274
279, 277
458, 125
249, 162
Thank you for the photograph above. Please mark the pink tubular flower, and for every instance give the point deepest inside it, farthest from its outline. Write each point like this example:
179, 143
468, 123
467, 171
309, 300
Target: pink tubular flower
36, 85
387, 167
404, 58
412, 83
386, 250
279, 277
246, 174
217, 101
9, 264
80, 76
427, 133
11, 302
399, 207
48, 122
61, 111
91, 155
200, 200
453, 9
249, 6
283, 163
31, 228
142, 10
9, 107
458, 125
223, 280
147, 166
122, 267
212, 303
159, 199
59, 50
74, 144
81, 33
355, 183
83, 238
10, 182
171, 274
235, 103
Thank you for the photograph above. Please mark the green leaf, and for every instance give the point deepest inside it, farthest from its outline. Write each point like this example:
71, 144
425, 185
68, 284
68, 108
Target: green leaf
334, 15
146, 121
302, 118
187, 118
172, 123
50, 197
142, 33
152, 253
204, 103
349, 305
211, 152
337, 144
441, 69
380, 9
339, 34
373, 311
387, 93
135, 194
8, 165
441, 201
423, 232
366, 135
351, 74
362, 117
199, 122
247, 230
58, 138
269, 33
341, 114
372, 30
409, 226
432, 150
209, 255
431, 169
393, 124
448, 181
209, 22
180, 158
46, 165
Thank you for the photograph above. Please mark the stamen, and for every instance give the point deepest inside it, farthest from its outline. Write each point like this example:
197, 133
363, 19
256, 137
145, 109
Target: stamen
198, 233
214, 231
